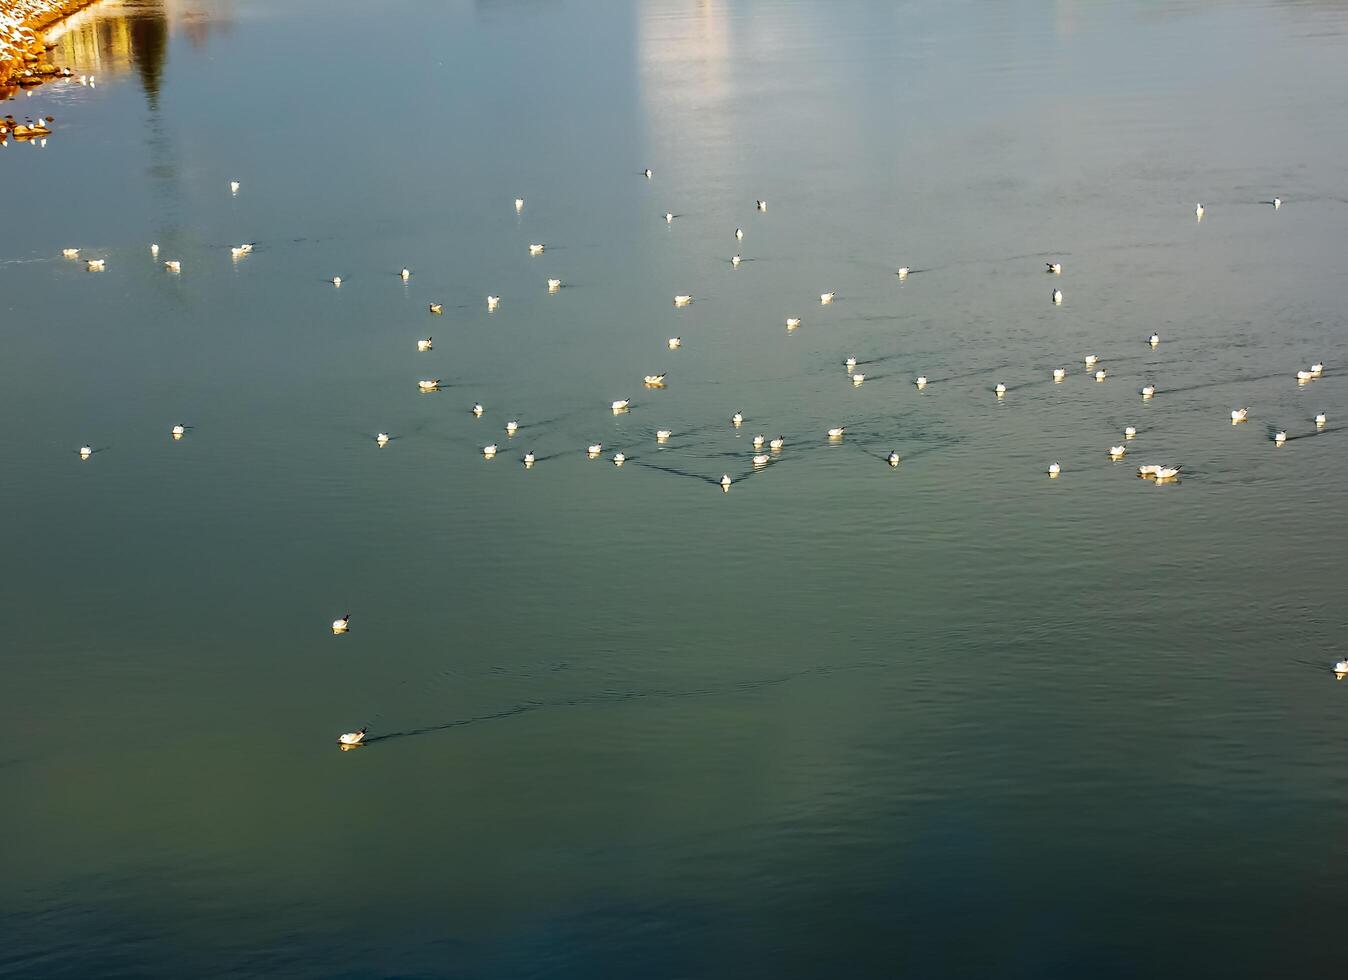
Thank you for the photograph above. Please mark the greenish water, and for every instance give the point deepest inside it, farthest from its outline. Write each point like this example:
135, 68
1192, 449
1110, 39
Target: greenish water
952, 718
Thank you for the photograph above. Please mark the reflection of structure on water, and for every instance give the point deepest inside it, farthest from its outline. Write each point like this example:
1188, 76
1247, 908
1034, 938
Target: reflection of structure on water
113, 38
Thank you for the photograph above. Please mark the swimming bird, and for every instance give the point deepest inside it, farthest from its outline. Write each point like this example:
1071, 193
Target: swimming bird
1000, 389
1279, 437
837, 433
1320, 419
178, 431
437, 308
352, 738
858, 378
381, 439
739, 234
778, 443
1304, 376
430, 384
735, 261
519, 204
892, 459
1198, 211
903, 272
489, 450
234, 187
1059, 374
512, 427
762, 459
683, 299
341, 625
1164, 473
595, 449
554, 285
1130, 432
646, 173
1116, 452
1239, 415
173, 265
154, 250
406, 274
336, 280
1148, 469
1054, 469
478, 410
1277, 203
761, 205
737, 418
619, 459
1318, 368
850, 363
1092, 360
424, 345
1053, 268
759, 440
622, 404
536, 249
1057, 296
826, 297
95, 265
792, 322
85, 452
243, 249
493, 302
662, 434
70, 253
1154, 339
1148, 391
669, 217
725, 482
675, 343
528, 460
654, 381
1100, 375
921, 381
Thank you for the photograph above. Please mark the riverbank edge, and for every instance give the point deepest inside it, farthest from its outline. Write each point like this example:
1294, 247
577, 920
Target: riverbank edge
21, 58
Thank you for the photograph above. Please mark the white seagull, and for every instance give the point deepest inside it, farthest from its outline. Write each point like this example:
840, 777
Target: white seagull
341, 625
1059, 374
95, 265
429, 384
493, 302
1148, 391
662, 434
622, 404
1279, 438
478, 410
762, 459
725, 482
352, 738
893, 459
554, 285
234, 187
595, 449
1320, 419
86, 452
778, 443
1116, 452
173, 265
1130, 432
675, 343
903, 271
489, 450
424, 345
921, 381
792, 322
737, 418
1092, 360
759, 440
519, 204
1154, 339
826, 298
381, 439
837, 433
70, 253
683, 299
619, 459
536, 249
1239, 415
1100, 375
1054, 469
512, 427
1000, 389
1057, 296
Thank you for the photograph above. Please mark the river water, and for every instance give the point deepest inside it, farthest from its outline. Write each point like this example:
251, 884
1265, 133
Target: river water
950, 718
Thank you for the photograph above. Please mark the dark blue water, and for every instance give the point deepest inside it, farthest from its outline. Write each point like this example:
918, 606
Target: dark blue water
951, 718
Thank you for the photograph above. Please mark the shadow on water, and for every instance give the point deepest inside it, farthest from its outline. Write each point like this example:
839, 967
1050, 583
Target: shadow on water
1217, 384
619, 697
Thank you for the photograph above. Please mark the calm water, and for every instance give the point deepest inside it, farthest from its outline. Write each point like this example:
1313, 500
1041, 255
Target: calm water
949, 719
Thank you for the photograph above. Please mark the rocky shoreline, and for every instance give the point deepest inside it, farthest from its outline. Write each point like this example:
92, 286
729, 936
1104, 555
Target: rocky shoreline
24, 53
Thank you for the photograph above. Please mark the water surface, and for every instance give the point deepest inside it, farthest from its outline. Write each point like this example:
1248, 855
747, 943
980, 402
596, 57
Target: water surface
948, 719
